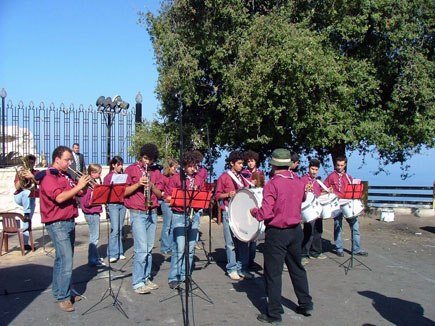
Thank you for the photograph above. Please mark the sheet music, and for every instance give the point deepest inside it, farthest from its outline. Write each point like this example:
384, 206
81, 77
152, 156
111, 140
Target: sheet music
119, 178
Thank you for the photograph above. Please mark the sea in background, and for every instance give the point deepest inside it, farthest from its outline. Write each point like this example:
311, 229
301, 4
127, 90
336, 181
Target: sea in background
421, 171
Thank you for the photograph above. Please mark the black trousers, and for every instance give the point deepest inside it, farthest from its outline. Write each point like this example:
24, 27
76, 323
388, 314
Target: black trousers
284, 245
312, 243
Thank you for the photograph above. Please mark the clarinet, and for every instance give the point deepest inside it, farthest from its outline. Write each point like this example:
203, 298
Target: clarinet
194, 187
147, 189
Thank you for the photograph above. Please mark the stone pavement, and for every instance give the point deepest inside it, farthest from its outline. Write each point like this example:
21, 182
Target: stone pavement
399, 289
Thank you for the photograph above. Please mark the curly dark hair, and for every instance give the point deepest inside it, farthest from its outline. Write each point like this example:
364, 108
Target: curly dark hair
235, 156
249, 154
150, 150
190, 158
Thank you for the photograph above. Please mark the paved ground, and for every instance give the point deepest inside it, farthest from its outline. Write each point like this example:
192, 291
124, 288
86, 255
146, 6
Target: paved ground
399, 289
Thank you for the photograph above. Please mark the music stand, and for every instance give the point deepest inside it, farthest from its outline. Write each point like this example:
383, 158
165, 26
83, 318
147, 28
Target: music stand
352, 192
196, 200
102, 195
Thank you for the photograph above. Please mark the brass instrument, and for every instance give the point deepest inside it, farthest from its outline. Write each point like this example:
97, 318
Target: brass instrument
147, 189
26, 184
91, 183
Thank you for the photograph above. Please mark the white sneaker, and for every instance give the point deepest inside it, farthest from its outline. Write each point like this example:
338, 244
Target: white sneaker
113, 260
122, 257
234, 276
150, 285
142, 290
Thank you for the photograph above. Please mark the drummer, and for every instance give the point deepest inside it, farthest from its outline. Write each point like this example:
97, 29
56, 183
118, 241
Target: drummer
312, 243
256, 177
281, 212
338, 180
227, 185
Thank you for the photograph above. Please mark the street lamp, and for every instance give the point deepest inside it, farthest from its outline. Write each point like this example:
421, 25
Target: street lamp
3, 95
110, 108
138, 117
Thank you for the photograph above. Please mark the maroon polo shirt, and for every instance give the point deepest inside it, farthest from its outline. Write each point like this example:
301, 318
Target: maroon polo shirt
338, 182
50, 187
282, 199
137, 199
85, 204
316, 186
175, 183
226, 184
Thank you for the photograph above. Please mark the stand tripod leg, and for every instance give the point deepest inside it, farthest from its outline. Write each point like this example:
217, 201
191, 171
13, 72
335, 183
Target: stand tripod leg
109, 291
350, 260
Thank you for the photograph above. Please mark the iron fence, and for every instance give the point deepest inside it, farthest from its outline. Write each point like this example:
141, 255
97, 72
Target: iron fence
40, 129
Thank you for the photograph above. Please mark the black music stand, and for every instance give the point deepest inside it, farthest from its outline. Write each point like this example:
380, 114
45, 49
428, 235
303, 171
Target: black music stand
199, 200
352, 192
108, 194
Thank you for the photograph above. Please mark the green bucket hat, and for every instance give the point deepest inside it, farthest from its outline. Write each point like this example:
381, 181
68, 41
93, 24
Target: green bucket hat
280, 157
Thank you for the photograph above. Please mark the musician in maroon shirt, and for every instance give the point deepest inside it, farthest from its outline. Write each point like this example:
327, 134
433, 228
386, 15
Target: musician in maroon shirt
183, 224
144, 189
227, 185
58, 210
312, 243
281, 212
338, 180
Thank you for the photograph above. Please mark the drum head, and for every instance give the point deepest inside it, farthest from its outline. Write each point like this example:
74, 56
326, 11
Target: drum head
244, 226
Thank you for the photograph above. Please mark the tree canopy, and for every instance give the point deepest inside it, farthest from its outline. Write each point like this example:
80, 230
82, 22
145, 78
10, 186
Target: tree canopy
318, 77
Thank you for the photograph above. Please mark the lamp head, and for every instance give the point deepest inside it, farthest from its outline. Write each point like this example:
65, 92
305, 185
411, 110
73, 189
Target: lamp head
3, 93
100, 101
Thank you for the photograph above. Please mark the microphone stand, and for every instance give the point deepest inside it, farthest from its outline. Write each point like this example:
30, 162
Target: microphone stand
209, 256
188, 280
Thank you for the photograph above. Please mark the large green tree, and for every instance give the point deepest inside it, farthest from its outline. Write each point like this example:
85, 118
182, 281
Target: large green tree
320, 77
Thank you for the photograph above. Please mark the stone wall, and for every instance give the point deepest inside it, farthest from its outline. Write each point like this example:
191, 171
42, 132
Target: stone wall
7, 202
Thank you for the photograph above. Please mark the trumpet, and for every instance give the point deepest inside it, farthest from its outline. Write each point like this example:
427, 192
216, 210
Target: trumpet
147, 189
79, 174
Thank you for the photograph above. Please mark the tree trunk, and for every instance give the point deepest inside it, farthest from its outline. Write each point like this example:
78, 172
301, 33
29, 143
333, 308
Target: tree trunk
339, 149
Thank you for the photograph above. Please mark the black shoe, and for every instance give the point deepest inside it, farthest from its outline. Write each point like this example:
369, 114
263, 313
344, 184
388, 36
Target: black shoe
304, 311
174, 284
362, 254
27, 247
340, 253
266, 319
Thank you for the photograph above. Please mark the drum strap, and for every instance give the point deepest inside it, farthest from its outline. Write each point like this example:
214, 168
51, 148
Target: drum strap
237, 181
322, 185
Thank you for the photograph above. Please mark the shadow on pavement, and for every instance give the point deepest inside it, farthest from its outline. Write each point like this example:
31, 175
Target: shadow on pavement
255, 292
428, 228
397, 311
19, 286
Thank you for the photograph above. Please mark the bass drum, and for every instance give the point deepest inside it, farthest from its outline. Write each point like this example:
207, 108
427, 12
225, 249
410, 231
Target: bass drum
310, 209
244, 226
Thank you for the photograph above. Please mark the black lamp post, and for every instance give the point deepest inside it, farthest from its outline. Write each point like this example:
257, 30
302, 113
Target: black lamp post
3, 95
138, 117
110, 108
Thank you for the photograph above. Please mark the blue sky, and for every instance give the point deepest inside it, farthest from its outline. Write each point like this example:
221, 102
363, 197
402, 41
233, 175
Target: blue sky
74, 51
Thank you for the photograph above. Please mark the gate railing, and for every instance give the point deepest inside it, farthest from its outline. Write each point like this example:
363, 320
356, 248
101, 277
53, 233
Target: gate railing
40, 129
